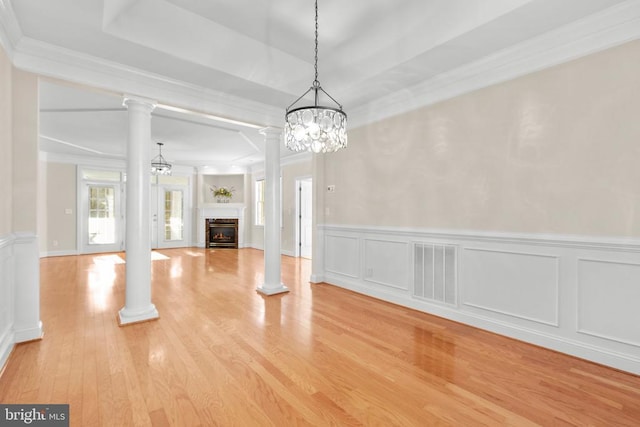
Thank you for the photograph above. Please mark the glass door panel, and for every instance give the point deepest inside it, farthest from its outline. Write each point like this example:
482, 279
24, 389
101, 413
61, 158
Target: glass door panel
102, 218
173, 215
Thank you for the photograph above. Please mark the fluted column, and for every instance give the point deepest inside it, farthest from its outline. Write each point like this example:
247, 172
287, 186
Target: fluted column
272, 280
138, 306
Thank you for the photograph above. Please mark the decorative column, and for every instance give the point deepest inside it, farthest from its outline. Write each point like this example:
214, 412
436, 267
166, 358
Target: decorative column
318, 219
138, 306
272, 281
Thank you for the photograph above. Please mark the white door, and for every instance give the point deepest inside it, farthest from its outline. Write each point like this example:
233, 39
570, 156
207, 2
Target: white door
305, 207
102, 218
169, 223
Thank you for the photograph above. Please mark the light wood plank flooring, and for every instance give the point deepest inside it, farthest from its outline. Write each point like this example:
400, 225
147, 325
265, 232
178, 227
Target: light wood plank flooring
222, 354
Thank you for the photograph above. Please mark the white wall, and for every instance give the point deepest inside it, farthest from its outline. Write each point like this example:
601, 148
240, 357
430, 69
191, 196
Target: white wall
532, 183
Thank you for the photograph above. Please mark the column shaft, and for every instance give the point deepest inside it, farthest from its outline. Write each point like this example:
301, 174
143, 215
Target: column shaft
272, 213
138, 306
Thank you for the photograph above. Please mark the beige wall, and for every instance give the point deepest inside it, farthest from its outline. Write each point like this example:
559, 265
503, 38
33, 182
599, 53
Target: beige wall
6, 166
61, 195
25, 150
557, 151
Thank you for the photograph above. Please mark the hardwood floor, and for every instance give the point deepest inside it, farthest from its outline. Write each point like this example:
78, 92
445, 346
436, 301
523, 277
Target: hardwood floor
223, 354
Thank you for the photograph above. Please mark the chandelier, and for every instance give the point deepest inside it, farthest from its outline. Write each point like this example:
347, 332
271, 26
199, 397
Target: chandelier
159, 166
315, 128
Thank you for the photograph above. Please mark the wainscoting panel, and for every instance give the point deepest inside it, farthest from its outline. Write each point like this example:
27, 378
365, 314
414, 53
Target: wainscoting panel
6, 298
609, 300
342, 255
386, 263
512, 283
576, 295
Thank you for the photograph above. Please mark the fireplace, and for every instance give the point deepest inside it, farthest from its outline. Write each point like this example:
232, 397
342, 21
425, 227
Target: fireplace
221, 232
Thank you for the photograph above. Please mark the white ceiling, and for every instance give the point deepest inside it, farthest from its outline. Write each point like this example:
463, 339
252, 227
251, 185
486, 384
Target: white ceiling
249, 59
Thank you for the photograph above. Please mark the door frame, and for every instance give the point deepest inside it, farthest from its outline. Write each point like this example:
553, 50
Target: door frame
83, 217
298, 213
158, 211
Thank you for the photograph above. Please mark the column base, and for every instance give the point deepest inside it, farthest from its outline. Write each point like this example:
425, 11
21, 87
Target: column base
30, 334
272, 291
128, 317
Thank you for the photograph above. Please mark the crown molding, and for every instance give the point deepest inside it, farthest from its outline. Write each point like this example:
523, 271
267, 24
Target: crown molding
103, 162
304, 156
96, 161
10, 31
611, 27
65, 64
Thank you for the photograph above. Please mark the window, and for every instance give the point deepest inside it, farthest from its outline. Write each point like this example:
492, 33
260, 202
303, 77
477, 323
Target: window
259, 202
173, 214
102, 215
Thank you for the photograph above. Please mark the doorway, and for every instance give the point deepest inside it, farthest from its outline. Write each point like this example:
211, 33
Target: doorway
304, 219
169, 207
100, 204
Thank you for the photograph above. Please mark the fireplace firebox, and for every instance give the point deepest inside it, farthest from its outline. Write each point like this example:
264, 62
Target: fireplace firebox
221, 232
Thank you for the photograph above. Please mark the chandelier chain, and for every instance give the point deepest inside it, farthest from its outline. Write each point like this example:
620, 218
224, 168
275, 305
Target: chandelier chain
316, 83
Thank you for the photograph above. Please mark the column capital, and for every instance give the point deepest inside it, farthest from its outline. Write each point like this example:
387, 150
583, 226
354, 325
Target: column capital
271, 132
128, 100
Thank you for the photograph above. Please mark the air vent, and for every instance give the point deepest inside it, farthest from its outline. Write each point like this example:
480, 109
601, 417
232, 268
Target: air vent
435, 272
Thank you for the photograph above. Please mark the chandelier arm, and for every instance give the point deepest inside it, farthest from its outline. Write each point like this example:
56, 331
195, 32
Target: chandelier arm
296, 101
331, 97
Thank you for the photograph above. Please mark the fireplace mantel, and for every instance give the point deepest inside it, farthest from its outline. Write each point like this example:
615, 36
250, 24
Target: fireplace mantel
221, 210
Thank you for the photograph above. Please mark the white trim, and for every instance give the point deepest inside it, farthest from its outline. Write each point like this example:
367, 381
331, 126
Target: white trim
562, 240
10, 31
54, 61
6, 240
50, 254
105, 162
559, 330
292, 159
562, 344
7, 285
6, 347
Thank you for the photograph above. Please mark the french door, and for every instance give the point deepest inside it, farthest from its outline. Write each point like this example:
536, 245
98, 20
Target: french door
102, 231
169, 219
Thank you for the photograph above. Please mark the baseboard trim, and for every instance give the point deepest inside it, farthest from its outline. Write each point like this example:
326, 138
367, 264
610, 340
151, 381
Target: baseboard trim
58, 253
31, 334
6, 348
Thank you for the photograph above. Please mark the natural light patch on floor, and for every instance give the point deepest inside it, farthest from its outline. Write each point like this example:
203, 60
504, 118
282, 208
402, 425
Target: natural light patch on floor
194, 254
108, 259
117, 259
156, 256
